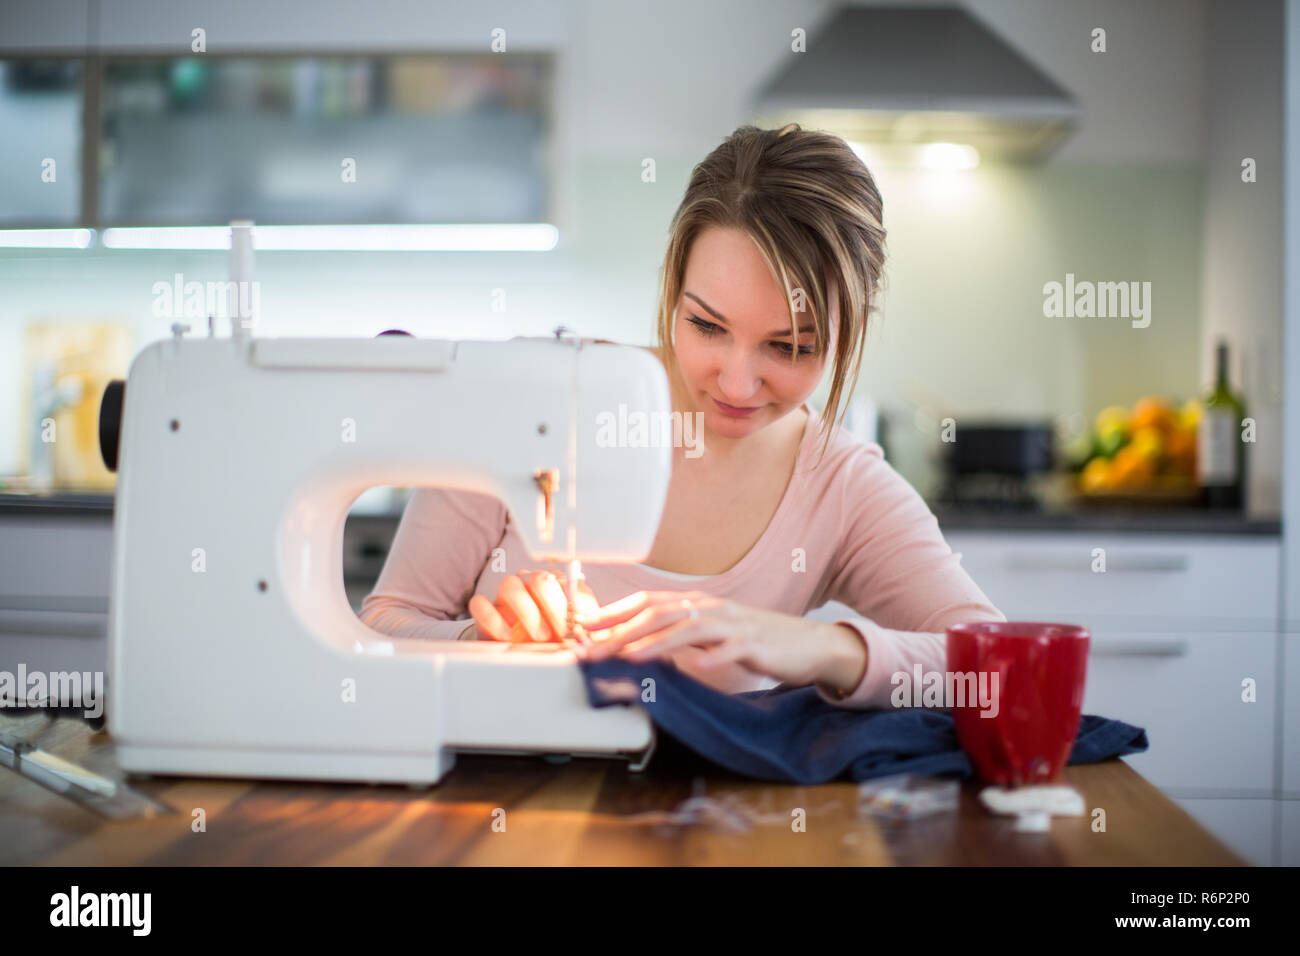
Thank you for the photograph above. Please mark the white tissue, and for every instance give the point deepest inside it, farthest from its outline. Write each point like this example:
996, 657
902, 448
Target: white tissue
1034, 807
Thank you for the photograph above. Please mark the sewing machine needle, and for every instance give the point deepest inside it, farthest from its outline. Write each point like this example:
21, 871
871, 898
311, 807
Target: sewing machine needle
575, 632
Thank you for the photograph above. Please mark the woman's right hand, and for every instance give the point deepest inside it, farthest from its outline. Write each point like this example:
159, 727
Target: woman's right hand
530, 606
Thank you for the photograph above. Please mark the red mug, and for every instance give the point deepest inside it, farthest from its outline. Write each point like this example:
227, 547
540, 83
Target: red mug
1020, 727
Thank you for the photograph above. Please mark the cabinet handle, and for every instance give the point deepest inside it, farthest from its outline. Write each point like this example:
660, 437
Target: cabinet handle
64, 623
1139, 647
1083, 562
54, 602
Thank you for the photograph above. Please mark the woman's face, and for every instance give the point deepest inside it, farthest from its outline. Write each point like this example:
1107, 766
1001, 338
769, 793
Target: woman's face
733, 341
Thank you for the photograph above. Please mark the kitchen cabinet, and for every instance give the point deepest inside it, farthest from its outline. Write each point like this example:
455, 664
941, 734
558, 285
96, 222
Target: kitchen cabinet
40, 166
55, 572
1165, 581
437, 138
1185, 689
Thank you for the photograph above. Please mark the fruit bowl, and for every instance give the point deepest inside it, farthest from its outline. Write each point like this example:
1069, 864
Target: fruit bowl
1143, 456
1175, 490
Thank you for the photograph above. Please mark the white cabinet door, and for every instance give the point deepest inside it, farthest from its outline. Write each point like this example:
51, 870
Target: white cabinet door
56, 557
46, 652
55, 575
1197, 581
1186, 690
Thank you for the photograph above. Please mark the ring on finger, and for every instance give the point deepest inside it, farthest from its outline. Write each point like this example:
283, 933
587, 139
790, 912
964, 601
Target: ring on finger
694, 614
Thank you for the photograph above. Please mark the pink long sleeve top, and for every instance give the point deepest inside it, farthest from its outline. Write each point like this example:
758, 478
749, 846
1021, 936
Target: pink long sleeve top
848, 529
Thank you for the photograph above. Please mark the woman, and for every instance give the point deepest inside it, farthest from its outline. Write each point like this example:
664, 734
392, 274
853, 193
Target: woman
772, 267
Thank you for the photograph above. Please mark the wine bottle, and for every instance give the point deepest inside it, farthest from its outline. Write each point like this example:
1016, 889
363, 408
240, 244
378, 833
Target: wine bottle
1220, 452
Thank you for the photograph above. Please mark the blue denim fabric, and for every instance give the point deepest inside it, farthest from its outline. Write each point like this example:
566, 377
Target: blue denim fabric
790, 734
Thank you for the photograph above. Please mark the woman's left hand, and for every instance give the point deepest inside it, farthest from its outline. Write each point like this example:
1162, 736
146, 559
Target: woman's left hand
704, 631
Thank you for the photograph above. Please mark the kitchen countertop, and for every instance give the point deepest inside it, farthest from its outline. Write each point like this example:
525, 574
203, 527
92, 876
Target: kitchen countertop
1154, 520
584, 811
57, 503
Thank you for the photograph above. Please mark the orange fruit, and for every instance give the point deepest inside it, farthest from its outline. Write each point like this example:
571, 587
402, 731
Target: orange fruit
1095, 476
1180, 450
1131, 469
1152, 411
1149, 441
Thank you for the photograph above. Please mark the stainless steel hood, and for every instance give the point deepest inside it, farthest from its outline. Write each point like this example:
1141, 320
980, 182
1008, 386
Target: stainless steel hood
905, 76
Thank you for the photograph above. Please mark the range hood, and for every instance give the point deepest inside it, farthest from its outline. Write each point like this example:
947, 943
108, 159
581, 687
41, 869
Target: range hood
902, 77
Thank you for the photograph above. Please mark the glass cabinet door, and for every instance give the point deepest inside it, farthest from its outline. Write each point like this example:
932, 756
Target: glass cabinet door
40, 142
299, 140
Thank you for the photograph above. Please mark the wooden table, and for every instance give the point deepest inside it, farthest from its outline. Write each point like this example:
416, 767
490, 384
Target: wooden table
584, 811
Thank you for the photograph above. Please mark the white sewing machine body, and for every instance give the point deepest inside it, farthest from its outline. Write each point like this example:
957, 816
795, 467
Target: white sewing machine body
232, 648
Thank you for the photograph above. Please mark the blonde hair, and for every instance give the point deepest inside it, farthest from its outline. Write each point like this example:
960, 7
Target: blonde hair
812, 208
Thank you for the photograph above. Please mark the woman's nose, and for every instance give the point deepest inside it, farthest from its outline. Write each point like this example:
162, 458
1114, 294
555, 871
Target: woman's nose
736, 378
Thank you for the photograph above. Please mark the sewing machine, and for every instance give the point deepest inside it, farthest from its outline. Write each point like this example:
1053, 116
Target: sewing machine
233, 650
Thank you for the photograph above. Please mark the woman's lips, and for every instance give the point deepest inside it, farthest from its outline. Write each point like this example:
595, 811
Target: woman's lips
733, 411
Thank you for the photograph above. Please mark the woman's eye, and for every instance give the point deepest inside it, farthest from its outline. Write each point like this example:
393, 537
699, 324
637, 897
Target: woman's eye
785, 348
706, 328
